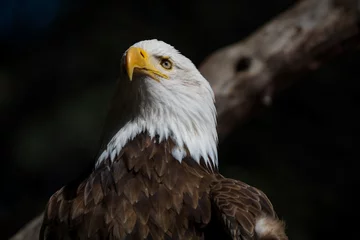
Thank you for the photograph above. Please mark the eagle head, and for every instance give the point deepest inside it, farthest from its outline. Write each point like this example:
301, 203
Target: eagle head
160, 92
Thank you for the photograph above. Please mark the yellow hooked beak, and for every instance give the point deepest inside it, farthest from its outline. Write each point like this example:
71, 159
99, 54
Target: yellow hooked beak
138, 59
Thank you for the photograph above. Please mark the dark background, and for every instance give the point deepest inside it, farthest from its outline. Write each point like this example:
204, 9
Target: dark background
59, 60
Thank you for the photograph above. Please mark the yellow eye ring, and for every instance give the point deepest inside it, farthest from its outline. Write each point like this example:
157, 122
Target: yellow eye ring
166, 63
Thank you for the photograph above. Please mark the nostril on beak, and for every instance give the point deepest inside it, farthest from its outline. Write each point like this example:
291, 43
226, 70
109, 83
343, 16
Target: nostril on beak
142, 53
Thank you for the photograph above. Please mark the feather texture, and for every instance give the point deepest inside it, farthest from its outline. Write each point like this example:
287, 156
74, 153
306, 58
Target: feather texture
240, 207
120, 201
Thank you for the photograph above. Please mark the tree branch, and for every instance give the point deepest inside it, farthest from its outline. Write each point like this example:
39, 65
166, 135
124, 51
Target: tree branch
272, 58
30, 231
253, 70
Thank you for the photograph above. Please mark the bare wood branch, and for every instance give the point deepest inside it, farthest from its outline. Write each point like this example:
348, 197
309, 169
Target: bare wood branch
299, 40
269, 60
30, 231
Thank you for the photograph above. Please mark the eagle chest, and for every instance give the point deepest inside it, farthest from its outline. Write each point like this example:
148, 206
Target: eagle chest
146, 194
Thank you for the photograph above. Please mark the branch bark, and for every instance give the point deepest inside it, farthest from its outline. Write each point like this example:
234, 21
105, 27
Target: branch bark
271, 59
30, 231
301, 39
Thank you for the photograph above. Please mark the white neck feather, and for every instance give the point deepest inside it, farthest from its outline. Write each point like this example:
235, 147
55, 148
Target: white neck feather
189, 122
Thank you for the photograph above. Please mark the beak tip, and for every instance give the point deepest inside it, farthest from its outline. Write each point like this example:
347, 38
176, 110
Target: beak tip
131, 61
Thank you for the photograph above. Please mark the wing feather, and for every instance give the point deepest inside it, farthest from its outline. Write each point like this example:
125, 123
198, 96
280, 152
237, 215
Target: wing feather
240, 207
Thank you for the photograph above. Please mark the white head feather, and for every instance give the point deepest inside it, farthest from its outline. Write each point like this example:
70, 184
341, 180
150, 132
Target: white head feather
180, 107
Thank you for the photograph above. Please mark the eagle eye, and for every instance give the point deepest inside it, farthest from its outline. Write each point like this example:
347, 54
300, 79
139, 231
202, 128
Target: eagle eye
166, 63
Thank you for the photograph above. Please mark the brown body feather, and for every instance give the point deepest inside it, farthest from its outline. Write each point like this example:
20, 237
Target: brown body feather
147, 194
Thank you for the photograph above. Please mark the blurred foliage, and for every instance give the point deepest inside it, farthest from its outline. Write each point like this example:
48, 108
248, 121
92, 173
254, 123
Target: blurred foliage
58, 64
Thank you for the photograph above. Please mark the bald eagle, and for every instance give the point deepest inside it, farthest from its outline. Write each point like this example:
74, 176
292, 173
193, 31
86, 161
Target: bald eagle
157, 175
